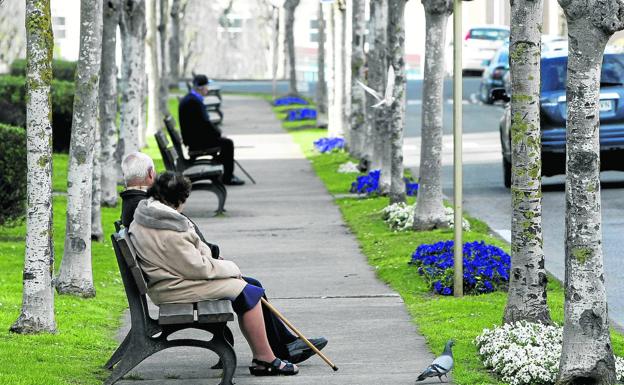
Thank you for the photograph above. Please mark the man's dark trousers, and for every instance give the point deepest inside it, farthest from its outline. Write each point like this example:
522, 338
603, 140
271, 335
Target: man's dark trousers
226, 157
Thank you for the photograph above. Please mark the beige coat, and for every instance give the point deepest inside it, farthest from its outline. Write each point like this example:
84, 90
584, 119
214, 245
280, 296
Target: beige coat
178, 265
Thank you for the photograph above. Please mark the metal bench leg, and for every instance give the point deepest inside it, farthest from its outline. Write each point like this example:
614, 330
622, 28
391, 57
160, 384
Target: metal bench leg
139, 348
119, 353
245, 172
217, 188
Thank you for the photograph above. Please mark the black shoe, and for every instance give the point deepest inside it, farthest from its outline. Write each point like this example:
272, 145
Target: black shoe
234, 181
299, 351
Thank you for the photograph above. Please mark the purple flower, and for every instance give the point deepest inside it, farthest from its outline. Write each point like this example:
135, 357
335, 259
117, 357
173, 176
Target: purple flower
324, 145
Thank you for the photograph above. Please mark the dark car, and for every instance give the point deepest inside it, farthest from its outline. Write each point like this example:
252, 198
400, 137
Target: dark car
494, 73
553, 115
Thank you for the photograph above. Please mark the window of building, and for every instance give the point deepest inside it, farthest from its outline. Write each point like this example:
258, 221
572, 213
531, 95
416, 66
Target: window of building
58, 21
231, 24
314, 30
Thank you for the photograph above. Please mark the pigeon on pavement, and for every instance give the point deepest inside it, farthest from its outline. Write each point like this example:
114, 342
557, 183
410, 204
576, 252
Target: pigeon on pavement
441, 365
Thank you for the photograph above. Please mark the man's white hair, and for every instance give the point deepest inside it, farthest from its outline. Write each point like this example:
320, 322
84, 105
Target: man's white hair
135, 168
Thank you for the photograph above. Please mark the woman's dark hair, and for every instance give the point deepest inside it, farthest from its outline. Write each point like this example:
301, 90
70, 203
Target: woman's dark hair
170, 188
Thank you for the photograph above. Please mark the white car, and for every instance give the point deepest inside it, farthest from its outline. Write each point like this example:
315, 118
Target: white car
479, 47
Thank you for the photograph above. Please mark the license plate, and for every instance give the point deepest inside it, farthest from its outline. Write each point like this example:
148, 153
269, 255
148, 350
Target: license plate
606, 105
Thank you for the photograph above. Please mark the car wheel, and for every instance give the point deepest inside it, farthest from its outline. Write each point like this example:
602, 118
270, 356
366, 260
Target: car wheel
506, 172
485, 95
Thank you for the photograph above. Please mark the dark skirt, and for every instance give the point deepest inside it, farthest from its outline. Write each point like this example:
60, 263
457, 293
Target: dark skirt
247, 299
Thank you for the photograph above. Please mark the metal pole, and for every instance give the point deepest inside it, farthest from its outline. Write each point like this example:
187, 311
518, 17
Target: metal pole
457, 148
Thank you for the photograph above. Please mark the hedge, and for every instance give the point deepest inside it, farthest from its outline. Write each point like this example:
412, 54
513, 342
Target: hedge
13, 107
12, 173
61, 69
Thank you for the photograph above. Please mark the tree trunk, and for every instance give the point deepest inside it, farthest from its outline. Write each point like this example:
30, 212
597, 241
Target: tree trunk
153, 77
97, 232
174, 42
345, 69
290, 6
429, 211
587, 357
132, 73
335, 127
321, 83
163, 90
358, 96
526, 299
37, 314
396, 111
275, 60
110, 163
75, 275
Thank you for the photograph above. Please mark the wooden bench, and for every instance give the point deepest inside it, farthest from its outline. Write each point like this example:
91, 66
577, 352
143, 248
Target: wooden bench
203, 176
148, 336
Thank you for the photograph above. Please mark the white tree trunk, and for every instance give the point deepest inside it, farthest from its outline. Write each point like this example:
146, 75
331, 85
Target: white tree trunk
358, 146
153, 77
321, 83
526, 299
345, 53
75, 275
132, 73
332, 127
37, 313
396, 44
291, 6
174, 42
429, 212
97, 232
163, 90
110, 163
587, 356
336, 128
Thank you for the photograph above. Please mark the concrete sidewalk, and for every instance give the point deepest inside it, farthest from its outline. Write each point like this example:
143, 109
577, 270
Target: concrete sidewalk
286, 232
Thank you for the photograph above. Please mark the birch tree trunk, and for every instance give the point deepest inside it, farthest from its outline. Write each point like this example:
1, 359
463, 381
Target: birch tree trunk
174, 42
132, 27
587, 357
332, 125
321, 83
153, 76
526, 299
163, 90
336, 127
75, 275
345, 68
396, 43
97, 232
108, 106
275, 48
358, 96
37, 313
291, 6
429, 211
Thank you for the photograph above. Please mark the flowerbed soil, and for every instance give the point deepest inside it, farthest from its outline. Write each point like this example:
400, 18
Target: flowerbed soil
437, 318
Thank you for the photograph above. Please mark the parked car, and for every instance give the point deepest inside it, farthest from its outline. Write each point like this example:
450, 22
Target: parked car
479, 47
553, 112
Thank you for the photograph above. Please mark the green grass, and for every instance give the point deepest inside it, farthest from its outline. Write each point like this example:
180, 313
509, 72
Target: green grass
437, 318
85, 327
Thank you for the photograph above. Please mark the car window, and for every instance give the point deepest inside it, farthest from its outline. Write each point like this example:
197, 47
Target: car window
554, 72
503, 57
488, 34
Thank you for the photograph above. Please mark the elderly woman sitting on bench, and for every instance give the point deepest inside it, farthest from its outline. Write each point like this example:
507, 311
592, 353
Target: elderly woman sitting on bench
180, 268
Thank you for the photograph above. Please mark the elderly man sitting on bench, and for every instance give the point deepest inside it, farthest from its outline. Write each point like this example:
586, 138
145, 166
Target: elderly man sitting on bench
139, 175
200, 134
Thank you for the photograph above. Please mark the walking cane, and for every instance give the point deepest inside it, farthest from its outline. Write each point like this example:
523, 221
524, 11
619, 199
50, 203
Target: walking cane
297, 332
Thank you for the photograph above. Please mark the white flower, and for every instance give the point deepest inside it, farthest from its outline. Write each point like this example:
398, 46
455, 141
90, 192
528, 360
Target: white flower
348, 168
400, 216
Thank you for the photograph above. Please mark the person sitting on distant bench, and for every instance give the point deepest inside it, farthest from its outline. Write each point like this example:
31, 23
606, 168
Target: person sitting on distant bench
139, 175
198, 132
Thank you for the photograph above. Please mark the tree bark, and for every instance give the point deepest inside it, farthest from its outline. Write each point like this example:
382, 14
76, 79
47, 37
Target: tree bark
345, 68
336, 121
75, 275
291, 6
587, 357
110, 163
174, 42
275, 47
97, 232
396, 111
153, 75
526, 299
358, 96
321, 83
132, 73
429, 211
332, 125
37, 313
163, 90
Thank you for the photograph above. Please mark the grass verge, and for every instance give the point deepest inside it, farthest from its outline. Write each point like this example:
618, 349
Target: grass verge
437, 318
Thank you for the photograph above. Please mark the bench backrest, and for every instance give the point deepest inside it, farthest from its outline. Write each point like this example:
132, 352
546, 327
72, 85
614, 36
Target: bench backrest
163, 143
174, 134
174, 157
129, 255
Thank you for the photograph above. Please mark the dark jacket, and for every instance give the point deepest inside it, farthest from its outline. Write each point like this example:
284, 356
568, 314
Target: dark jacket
130, 200
198, 132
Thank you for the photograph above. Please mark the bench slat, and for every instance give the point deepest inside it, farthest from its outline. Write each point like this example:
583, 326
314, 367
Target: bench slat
176, 313
215, 311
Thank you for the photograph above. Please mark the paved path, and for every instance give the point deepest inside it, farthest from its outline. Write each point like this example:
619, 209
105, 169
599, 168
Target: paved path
287, 232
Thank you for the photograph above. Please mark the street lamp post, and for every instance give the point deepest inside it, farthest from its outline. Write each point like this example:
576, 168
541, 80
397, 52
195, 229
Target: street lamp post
458, 279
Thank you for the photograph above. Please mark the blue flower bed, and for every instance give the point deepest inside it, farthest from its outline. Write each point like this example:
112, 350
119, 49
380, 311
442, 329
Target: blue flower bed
289, 100
369, 184
323, 145
486, 267
301, 114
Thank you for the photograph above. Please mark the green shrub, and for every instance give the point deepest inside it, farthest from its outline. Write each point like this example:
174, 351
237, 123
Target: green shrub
13, 107
12, 173
61, 69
